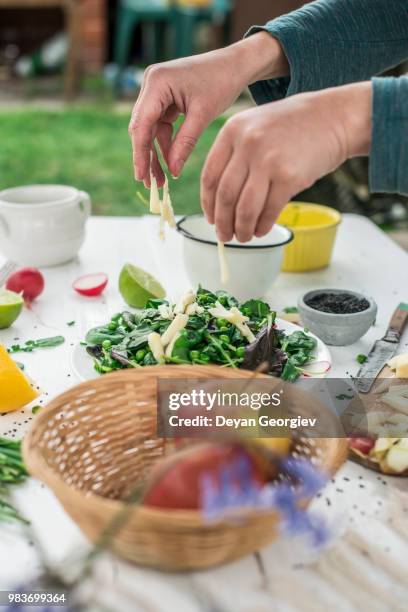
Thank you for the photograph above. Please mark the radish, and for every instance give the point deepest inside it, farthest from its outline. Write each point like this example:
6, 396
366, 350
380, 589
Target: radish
91, 284
361, 445
29, 282
316, 368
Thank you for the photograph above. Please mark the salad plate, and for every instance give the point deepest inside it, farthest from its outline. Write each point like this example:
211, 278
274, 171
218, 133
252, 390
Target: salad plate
83, 366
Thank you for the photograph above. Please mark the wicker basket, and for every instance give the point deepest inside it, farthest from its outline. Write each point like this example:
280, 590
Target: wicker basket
94, 443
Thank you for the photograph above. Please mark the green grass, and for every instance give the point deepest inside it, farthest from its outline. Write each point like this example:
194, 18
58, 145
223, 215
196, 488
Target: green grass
88, 148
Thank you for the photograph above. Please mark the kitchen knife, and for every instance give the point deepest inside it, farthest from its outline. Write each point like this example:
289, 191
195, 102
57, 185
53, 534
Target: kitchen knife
383, 350
6, 270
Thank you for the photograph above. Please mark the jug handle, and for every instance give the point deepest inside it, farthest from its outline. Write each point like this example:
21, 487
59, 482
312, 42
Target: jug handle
85, 203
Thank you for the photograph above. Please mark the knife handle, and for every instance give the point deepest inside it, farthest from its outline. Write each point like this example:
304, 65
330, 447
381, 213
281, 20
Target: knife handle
399, 319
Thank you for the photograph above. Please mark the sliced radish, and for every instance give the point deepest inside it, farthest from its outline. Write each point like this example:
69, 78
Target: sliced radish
316, 368
91, 284
361, 445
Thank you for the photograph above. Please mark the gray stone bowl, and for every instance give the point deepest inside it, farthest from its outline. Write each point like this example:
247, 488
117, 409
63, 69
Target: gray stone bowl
337, 329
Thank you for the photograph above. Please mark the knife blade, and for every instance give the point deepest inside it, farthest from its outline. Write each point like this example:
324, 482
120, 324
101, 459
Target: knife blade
383, 350
6, 270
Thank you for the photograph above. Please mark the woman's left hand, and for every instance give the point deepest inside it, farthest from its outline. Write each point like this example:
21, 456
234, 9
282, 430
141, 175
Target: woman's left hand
264, 156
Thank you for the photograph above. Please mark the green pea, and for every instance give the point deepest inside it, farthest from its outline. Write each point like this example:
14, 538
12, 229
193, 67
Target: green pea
116, 317
140, 354
224, 338
194, 355
106, 344
221, 323
204, 358
112, 326
240, 351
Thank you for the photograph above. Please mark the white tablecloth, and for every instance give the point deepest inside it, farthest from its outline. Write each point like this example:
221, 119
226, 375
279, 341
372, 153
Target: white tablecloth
364, 568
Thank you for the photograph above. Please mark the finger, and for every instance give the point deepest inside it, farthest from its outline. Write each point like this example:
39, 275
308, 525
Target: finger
142, 127
276, 200
227, 196
156, 169
250, 206
216, 161
185, 140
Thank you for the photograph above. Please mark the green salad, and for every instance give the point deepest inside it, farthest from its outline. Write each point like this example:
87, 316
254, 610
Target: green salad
202, 328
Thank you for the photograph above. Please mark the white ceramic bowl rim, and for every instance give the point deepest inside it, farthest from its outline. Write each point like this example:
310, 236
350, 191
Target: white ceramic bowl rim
372, 304
9, 197
187, 234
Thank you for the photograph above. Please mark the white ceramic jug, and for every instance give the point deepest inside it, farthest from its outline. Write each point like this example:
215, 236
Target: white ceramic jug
42, 225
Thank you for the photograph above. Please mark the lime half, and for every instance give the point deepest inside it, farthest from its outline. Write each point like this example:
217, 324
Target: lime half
138, 286
11, 305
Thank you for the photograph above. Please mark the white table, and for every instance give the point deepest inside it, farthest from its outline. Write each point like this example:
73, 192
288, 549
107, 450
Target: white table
365, 568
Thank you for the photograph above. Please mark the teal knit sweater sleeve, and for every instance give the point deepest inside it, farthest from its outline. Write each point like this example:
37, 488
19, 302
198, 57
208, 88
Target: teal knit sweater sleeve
333, 42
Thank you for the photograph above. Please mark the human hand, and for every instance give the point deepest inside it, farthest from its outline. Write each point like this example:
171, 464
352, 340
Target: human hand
199, 87
264, 156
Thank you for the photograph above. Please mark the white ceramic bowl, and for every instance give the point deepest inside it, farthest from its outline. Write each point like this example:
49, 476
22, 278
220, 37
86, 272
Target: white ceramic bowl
253, 266
42, 225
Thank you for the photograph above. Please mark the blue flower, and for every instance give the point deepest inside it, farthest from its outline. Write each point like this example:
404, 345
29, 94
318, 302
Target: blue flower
236, 489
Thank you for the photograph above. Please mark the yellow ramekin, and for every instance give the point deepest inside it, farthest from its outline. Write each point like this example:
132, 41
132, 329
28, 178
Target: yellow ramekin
315, 228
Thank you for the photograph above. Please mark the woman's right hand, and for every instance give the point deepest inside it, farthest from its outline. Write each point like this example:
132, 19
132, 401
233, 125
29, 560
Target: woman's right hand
200, 87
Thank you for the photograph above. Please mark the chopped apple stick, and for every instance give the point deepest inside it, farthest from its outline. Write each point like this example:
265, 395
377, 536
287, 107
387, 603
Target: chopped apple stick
223, 263
167, 206
162, 234
154, 195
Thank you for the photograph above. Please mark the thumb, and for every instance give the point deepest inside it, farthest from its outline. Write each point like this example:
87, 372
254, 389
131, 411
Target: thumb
185, 140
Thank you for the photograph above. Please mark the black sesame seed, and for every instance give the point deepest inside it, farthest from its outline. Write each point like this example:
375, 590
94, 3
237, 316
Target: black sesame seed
337, 303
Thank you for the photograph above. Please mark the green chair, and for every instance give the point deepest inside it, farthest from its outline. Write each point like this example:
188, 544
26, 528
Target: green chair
187, 18
130, 14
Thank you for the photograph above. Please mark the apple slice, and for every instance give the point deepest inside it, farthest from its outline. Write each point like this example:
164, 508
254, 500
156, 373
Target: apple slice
91, 284
396, 460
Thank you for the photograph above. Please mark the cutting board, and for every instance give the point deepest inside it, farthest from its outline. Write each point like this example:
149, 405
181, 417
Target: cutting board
385, 373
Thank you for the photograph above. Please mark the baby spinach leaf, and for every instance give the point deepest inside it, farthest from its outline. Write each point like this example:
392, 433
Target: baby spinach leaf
255, 309
290, 372
299, 340
155, 303
98, 334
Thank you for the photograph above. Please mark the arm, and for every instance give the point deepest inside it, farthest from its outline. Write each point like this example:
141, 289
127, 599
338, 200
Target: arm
389, 142
333, 42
